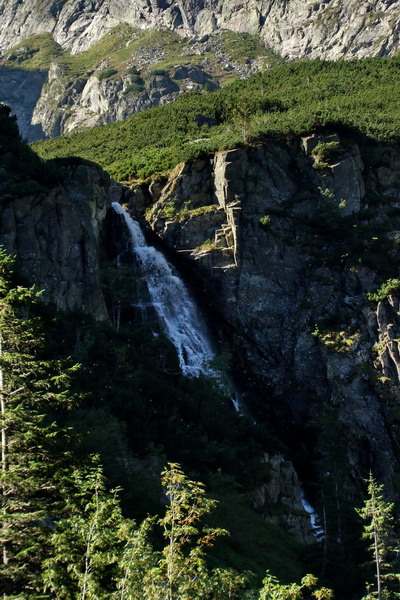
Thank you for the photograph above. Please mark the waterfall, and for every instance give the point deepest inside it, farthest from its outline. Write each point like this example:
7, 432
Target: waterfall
175, 308
317, 529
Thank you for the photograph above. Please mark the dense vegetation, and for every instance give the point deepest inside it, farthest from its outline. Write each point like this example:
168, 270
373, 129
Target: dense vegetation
64, 535
361, 97
135, 400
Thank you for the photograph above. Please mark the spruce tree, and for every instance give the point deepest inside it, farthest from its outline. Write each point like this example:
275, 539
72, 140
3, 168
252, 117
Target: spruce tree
86, 545
379, 530
31, 460
182, 566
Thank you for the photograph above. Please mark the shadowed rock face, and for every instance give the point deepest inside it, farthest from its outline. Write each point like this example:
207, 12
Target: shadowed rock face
22, 89
284, 254
61, 235
56, 237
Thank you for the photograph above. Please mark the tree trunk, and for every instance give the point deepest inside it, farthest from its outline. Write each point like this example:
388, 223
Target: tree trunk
376, 548
3, 458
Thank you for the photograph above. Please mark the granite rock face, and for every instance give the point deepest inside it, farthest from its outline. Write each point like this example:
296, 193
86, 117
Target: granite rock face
56, 237
89, 102
284, 254
332, 29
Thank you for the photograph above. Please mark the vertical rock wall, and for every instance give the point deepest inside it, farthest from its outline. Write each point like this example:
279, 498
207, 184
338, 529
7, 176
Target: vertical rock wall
332, 29
295, 247
56, 237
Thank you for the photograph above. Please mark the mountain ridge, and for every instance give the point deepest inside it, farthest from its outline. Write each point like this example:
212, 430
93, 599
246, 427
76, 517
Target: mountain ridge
292, 28
100, 62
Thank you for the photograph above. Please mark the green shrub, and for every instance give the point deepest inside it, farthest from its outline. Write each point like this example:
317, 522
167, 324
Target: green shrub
326, 151
320, 165
136, 79
387, 288
265, 220
106, 74
134, 88
159, 72
168, 211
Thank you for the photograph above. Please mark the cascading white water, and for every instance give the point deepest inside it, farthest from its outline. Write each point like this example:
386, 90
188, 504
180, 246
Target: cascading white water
317, 529
176, 310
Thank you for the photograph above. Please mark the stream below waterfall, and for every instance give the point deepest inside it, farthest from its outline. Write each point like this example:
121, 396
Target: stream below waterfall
176, 310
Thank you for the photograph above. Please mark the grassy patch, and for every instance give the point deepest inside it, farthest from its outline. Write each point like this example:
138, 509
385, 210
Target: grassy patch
189, 213
106, 74
241, 47
117, 46
125, 48
35, 53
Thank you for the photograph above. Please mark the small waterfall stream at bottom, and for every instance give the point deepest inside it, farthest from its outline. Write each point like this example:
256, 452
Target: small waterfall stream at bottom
175, 308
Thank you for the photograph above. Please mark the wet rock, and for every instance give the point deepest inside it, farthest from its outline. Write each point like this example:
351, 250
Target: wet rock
283, 491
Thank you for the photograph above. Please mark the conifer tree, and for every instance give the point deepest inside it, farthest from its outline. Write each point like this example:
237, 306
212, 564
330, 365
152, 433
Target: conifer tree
181, 571
86, 545
379, 530
30, 458
182, 568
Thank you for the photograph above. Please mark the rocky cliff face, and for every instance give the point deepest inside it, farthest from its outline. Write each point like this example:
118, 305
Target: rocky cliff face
21, 90
56, 237
90, 102
284, 248
332, 29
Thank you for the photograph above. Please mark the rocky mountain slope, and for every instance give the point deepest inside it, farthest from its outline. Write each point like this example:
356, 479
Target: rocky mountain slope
96, 63
58, 221
285, 251
333, 29
287, 246
125, 72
